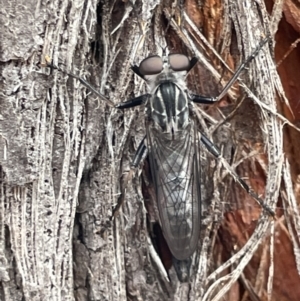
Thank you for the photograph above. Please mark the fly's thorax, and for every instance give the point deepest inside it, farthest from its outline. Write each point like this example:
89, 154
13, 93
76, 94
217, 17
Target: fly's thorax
168, 107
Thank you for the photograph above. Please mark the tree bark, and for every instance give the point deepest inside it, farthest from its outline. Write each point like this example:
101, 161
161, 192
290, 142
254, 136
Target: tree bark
64, 152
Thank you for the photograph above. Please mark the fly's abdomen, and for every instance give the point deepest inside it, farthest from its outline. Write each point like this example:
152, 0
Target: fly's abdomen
181, 212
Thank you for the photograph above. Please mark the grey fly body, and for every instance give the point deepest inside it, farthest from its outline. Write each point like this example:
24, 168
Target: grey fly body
172, 142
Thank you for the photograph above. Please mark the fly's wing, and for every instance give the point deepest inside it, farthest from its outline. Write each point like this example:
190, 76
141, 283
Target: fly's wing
176, 176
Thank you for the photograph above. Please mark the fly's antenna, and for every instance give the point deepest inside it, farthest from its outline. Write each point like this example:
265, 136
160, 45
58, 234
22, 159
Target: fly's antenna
164, 54
161, 50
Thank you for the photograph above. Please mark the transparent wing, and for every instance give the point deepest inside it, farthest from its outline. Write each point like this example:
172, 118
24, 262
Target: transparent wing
175, 171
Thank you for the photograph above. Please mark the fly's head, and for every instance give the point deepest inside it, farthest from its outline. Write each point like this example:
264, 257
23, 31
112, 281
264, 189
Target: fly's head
157, 69
167, 107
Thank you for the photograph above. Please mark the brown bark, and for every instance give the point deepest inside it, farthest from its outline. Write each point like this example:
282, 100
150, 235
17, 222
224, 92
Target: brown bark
64, 153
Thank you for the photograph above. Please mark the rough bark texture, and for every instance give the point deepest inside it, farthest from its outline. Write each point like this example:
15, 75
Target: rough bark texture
64, 152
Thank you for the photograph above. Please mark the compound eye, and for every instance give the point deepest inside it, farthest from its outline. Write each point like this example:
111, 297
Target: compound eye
151, 65
179, 62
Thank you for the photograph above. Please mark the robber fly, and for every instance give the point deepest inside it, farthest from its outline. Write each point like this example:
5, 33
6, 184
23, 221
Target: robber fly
173, 144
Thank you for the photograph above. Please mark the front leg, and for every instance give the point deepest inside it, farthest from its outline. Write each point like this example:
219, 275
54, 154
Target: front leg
203, 99
211, 100
123, 105
133, 102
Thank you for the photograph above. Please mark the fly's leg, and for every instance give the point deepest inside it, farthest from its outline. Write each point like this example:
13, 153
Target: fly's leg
133, 102
140, 154
123, 105
216, 153
81, 80
210, 145
203, 99
210, 100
